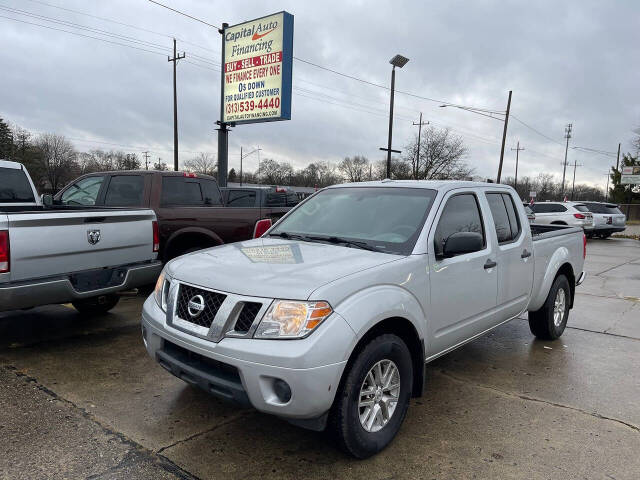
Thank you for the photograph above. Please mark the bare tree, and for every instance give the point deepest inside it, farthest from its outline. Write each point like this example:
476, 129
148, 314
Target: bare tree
202, 163
354, 169
59, 158
400, 169
441, 156
274, 172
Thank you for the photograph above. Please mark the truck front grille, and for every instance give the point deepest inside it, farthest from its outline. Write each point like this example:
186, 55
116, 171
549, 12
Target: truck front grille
198, 306
247, 316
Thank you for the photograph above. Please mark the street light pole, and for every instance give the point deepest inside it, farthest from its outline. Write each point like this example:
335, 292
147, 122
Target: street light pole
393, 86
397, 61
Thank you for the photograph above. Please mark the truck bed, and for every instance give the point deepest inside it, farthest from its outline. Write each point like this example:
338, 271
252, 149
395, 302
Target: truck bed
540, 231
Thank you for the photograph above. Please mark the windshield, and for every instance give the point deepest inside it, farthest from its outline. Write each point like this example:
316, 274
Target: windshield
387, 219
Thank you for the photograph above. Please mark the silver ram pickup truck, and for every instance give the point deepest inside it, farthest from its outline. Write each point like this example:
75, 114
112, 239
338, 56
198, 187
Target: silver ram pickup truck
329, 318
68, 254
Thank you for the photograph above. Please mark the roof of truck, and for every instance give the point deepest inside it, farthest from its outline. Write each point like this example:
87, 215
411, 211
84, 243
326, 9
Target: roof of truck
8, 164
431, 184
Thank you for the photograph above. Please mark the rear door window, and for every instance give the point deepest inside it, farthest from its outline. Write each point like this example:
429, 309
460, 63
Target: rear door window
181, 191
460, 214
83, 192
241, 198
210, 192
500, 217
14, 186
125, 191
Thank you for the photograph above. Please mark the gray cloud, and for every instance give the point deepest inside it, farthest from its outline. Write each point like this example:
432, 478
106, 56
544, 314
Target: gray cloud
565, 62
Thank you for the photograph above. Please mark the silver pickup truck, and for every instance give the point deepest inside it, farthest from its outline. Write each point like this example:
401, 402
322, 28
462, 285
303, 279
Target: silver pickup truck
329, 319
67, 254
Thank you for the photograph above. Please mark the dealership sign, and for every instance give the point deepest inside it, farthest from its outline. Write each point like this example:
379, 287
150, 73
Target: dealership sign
256, 76
630, 175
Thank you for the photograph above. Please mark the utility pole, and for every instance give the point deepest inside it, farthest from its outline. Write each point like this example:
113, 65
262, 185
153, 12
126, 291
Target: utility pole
567, 135
618, 158
504, 137
175, 105
419, 125
517, 150
146, 156
606, 192
573, 187
241, 166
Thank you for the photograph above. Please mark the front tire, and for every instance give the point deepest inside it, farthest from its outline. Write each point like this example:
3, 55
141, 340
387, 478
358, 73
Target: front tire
96, 305
550, 321
373, 397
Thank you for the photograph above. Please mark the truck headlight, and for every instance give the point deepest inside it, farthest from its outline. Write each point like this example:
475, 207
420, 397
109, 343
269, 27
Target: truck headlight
161, 291
291, 319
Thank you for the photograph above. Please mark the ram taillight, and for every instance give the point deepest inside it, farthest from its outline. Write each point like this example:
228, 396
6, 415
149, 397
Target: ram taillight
584, 246
4, 251
579, 215
156, 237
261, 227
189, 174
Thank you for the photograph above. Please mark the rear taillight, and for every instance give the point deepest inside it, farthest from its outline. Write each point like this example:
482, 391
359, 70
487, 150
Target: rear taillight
579, 215
584, 246
261, 227
156, 237
189, 174
281, 190
4, 251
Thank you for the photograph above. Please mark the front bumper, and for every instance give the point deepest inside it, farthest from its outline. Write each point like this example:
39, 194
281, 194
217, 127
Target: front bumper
246, 370
27, 294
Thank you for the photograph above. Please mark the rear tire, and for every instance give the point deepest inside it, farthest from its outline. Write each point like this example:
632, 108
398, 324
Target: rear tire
96, 305
366, 415
550, 321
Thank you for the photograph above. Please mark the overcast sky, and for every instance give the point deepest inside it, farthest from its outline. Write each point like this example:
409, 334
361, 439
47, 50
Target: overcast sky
566, 62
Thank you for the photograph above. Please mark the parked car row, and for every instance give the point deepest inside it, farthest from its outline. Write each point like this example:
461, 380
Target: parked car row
110, 231
79, 254
191, 211
595, 218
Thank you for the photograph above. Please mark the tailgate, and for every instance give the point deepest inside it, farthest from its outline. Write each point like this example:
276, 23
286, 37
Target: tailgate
46, 244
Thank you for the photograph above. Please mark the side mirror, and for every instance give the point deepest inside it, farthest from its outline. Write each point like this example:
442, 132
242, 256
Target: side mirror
462, 242
47, 199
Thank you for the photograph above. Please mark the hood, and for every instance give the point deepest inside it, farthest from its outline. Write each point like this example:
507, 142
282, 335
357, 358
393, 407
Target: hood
273, 267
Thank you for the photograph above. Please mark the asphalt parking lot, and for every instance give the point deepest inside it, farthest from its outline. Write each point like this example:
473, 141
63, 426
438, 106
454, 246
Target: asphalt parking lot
81, 399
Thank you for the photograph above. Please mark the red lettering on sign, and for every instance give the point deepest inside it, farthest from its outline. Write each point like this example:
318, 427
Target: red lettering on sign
266, 59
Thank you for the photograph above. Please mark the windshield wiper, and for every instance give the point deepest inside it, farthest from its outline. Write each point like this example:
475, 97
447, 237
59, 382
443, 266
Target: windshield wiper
344, 241
287, 235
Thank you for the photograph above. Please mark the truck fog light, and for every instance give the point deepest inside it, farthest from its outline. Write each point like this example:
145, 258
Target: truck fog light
282, 390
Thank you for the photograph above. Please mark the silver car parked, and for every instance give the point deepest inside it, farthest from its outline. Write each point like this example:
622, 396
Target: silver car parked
607, 219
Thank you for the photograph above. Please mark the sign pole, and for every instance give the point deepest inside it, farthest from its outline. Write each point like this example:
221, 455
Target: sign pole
223, 130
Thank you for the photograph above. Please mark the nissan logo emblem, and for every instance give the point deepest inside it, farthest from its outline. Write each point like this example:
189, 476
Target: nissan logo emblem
195, 305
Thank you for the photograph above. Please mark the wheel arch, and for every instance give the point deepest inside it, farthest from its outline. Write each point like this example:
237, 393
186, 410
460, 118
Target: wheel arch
405, 330
189, 236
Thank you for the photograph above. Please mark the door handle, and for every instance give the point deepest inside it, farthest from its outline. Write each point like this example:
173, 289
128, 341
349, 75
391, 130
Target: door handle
489, 264
525, 254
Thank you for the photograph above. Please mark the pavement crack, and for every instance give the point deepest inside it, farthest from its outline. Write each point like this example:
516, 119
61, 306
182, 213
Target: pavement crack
604, 333
204, 432
616, 266
539, 400
144, 452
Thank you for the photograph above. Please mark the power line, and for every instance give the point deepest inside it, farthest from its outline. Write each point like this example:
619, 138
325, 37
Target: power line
118, 36
185, 14
536, 131
82, 35
123, 24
